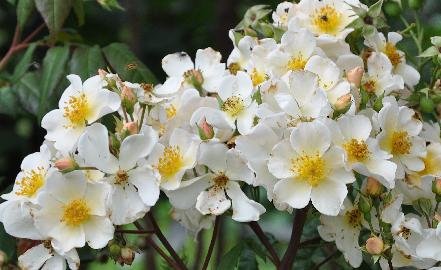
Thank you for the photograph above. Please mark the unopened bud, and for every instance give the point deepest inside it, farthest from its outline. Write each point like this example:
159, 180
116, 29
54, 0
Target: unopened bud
436, 186
373, 187
194, 77
3, 259
354, 76
128, 99
131, 128
206, 131
374, 245
65, 164
364, 204
102, 73
114, 251
127, 255
343, 103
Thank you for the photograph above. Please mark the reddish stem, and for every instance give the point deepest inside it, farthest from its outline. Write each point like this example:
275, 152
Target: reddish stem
264, 240
212, 243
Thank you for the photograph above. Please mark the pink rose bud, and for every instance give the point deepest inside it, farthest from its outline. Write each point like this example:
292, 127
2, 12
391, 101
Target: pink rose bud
131, 127
128, 94
374, 245
127, 255
354, 76
343, 102
206, 131
373, 187
436, 186
102, 73
65, 164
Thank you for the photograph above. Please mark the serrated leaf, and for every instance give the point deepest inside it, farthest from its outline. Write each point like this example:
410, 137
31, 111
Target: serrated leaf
247, 260
375, 9
54, 12
8, 101
231, 258
24, 10
27, 92
78, 7
24, 63
86, 61
430, 52
124, 62
53, 69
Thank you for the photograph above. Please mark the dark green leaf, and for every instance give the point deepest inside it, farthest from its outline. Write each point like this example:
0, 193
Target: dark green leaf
54, 12
8, 101
124, 62
375, 9
7, 243
110, 4
24, 10
247, 260
24, 63
86, 61
53, 70
78, 7
231, 258
257, 248
28, 93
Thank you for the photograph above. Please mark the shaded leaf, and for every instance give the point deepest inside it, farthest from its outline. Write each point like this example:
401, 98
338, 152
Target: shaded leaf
375, 9
247, 260
24, 63
110, 4
24, 10
86, 61
231, 258
8, 101
78, 7
53, 69
54, 12
124, 62
27, 92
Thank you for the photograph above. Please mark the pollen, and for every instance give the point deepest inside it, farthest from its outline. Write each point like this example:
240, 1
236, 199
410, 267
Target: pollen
171, 161
31, 182
357, 150
76, 213
400, 143
327, 20
234, 68
257, 77
392, 53
171, 112
121, 177
296, 63
311, 168
220, 181
353, 217
370, 86
76, 110
233, 106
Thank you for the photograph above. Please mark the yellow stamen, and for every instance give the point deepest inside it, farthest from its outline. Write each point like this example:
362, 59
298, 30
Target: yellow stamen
76, 110
370, 86
327, 20
296, 63
171, 111
353, 217
356, 150
121, 177
257, 77
171, 161
76, 213
392, 53
400, 143
309, 168
234, 68
31, 182
233, 106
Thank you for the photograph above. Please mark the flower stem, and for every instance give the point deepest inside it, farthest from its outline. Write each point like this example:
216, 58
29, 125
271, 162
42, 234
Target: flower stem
135, 231
294, 243
212, 242
264, 240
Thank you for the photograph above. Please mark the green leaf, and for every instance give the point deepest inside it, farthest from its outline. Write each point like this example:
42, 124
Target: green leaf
24, 63
27, 91
54, 12
430, 52
110, 4
253, 15
7, 243
53, 70
247, 260
124, 62
8, 101
368, 30
78, 7
375, 9
86, 61
24, 10
231, 258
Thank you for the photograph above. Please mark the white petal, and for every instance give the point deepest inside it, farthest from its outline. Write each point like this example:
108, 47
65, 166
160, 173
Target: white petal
66, 187
279, 163
245, 120
99, 231
328, 197
244, 209
55, 263
237, 168
18, 221
355, 127
125, 205
176, 64
383, 168
67, 237
95, 196
310, 138
410, 75
34, 258
212, 202
213, 155
147, 185
185, 196
294, 192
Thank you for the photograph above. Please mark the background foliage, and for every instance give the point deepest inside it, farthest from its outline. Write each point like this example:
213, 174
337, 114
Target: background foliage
80, 36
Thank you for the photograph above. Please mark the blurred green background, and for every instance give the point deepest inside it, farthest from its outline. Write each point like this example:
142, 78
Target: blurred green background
152, 29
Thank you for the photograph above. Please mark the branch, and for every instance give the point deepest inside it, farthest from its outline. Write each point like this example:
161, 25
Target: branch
264, 240
162, 253
293, 247
327, 259
136, 231
165, 242
212, 242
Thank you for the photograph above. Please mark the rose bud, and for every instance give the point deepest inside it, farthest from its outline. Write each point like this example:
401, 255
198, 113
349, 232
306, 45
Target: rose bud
206, 131
131, 128
373, 187
102, 73
127, 255
354, 76
343, 103
374, 245
65, 164
436, 186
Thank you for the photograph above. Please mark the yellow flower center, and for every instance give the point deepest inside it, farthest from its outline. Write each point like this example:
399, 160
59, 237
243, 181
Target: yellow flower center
233, 106
76, 110
404, 232
327, 20
234, 68
309, 168
171, 111
171, 161
400, 143
431, 164
76, 213
356, 150
392, 53
353, 217
31, 182
121, 177
296, 63
257, 77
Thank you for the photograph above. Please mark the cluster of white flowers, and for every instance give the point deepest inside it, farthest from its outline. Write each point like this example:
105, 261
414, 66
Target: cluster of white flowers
285, 115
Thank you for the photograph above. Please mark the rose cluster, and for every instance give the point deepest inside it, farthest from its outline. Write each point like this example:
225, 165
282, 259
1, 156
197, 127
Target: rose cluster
302, 116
